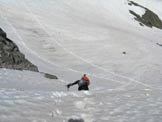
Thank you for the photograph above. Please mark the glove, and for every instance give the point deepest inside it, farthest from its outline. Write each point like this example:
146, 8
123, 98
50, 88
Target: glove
68, 86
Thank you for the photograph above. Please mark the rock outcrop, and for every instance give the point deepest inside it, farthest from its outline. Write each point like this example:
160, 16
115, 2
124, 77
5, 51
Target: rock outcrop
11, 57
149, 18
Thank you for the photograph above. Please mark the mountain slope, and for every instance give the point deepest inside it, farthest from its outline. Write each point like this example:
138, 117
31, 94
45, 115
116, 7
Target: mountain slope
68, 38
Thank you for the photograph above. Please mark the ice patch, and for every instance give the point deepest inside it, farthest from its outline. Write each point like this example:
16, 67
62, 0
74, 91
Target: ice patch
42, 120
147, 94
59, 94
56, 112
147, 89
86, 92
80, 105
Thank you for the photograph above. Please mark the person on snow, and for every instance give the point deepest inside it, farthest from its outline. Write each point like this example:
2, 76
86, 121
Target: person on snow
83, 83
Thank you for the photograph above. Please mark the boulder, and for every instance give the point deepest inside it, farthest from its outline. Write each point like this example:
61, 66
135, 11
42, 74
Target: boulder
75, 120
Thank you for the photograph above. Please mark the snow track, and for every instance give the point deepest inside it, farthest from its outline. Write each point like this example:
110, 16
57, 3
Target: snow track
80, 58
70, 38
108, 75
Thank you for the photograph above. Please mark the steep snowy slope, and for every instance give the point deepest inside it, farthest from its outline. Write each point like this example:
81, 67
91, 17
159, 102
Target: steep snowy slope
86, 36
97, 37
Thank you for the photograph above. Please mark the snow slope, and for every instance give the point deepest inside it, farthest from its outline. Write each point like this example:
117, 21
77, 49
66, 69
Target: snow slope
69, 38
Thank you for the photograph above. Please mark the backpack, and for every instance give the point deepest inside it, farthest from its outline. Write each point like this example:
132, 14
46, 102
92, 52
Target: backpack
81, 82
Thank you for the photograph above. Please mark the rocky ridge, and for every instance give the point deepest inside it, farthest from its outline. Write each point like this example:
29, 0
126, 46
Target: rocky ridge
12, 58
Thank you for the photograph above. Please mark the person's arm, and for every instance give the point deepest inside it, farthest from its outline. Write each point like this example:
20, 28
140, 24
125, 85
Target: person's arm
71, 84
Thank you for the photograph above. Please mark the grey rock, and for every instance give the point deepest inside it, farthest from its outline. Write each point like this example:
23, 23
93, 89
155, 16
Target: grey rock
159, 44
11, 57
50, 76
149, 18
75, 120
3, 34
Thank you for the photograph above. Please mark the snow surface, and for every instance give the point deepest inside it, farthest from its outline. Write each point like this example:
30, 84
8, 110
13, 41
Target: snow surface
139, 10
155, 5
69, 38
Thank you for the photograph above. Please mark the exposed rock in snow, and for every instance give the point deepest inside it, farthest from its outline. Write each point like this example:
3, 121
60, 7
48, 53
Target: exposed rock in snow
75, 120
50, 76
69, 38
11, 57
149, 18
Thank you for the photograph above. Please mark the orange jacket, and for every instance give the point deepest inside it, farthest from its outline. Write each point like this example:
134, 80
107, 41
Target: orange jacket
85, 78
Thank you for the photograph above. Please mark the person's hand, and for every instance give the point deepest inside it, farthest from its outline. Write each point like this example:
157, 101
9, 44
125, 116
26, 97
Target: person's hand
68, 86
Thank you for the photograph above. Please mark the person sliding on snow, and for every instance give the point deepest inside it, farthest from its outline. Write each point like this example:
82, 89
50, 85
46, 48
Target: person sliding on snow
83, 83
